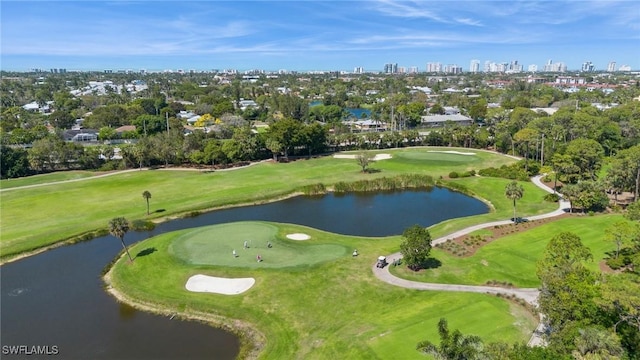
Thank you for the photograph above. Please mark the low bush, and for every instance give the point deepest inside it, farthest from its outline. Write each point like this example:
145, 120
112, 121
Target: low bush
111, 166
405, 181
616, 264
513, 172
314, 189
192, 214
453, 175
552, 197
142, 225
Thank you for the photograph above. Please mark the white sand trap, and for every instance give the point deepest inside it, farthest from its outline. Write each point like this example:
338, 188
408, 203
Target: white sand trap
452, 152
218, 285
382, 157
375, 158
298, 236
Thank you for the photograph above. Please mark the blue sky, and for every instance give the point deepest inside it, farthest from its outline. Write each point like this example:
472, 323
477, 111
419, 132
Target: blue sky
314, 35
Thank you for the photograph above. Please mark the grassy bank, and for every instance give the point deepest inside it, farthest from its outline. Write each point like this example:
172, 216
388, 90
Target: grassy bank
33, 218
333, 309
513, 258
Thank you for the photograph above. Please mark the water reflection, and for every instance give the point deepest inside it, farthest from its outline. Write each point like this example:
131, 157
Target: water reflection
57, 298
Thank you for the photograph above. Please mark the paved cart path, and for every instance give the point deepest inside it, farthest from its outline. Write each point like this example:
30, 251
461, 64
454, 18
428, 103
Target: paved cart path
530, 295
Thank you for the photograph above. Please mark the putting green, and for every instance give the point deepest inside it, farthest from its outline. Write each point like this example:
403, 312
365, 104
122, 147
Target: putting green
214, 245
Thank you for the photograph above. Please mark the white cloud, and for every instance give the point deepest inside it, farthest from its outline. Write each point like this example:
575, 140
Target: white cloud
467, 21
405, 9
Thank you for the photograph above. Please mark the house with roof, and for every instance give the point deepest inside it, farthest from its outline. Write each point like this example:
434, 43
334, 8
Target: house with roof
35, 107
367, 125
451, 110
81, 136
440, 120
245, 104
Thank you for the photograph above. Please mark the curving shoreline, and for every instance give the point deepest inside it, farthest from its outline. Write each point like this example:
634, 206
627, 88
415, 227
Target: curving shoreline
255, 340
251, 339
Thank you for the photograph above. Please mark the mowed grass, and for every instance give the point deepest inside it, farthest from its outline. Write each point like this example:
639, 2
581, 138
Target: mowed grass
513, 258
336, 309
47, 178
492, 191
35, 217
214, 245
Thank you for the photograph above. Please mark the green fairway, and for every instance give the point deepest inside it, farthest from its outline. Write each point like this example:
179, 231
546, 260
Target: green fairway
35, 217
336, 309
215, 245
513, 258
311, 299
46, 178
440, 158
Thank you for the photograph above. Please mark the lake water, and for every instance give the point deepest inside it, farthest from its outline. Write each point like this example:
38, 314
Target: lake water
56, 298
356, 113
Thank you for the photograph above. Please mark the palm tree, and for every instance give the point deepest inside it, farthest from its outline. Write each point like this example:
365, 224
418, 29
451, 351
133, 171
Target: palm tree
453, 345
514, 191
147, 195
118, 227
594, 343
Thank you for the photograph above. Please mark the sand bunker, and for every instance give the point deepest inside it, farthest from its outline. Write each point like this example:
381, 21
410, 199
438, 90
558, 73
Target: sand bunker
375, 158
225, 286
452, 152
298, 236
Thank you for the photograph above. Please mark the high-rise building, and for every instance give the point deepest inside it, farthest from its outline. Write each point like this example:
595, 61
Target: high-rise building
487, 66
555, 67
514, 67
358, 70
434, 67
474, 66
588, 66
532, 68
453, 69
391, 68
611, 67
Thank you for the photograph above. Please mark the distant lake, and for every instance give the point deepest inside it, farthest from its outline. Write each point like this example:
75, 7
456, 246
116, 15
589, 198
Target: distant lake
357, 112
353, 112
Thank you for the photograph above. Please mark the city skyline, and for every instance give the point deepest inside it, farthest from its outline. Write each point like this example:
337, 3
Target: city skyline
316, 35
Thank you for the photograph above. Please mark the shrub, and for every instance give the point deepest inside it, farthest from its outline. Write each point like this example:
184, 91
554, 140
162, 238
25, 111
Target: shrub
405, 181
512, 172
314, 189
142, 225
453, 175
616, 264
341, 187
192, 214
111, 166
552, 197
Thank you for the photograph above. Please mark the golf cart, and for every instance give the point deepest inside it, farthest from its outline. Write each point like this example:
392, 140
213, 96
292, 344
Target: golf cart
382, 262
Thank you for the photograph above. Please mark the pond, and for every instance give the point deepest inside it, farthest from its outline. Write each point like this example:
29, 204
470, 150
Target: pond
57, 299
